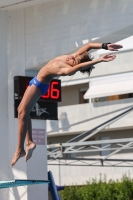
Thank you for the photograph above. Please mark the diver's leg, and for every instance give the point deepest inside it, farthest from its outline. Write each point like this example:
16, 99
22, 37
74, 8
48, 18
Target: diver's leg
30, 97
30, 145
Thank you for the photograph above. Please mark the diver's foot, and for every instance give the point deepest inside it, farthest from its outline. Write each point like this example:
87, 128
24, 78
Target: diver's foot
29, 150
18, 154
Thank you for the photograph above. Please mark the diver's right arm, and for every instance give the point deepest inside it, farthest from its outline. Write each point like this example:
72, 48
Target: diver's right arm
68, 70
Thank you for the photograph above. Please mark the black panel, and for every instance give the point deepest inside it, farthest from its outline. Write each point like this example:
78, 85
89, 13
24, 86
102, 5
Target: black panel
46, 106
41, 110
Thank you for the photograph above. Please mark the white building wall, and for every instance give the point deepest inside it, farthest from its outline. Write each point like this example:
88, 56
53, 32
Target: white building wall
59, 27
16, 66
4, 140
12, 59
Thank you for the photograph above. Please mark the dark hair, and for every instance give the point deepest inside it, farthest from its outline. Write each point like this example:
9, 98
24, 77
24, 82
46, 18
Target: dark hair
85, 57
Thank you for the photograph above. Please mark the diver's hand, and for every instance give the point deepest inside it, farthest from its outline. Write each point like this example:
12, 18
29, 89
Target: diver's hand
114, 47
107, 57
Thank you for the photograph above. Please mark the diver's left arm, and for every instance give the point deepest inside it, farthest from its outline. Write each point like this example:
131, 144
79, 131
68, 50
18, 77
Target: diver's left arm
92, 45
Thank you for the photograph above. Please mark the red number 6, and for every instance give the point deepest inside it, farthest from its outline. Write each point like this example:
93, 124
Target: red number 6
54, 92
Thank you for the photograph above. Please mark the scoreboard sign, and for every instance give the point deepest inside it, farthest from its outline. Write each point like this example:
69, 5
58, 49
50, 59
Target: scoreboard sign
46, 106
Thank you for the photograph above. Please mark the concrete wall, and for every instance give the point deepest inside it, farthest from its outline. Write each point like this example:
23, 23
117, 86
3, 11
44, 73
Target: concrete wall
12, 59
4, 139
16, 66
59, 27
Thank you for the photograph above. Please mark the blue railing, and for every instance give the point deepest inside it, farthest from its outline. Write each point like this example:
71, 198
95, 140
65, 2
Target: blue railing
53, 188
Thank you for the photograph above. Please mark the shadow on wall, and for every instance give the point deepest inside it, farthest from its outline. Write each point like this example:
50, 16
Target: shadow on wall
54, 125
64, 123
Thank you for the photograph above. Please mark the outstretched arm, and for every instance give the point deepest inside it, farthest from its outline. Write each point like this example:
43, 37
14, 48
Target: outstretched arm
91, 45
67, 70
88, 47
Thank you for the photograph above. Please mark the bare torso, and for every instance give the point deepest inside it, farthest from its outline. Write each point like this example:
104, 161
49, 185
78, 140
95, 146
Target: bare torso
52, 69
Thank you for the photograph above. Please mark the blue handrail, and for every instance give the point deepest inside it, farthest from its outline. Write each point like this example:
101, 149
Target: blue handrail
53, 188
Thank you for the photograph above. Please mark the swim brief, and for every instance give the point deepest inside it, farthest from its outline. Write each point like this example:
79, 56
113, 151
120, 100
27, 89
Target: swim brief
43, 87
